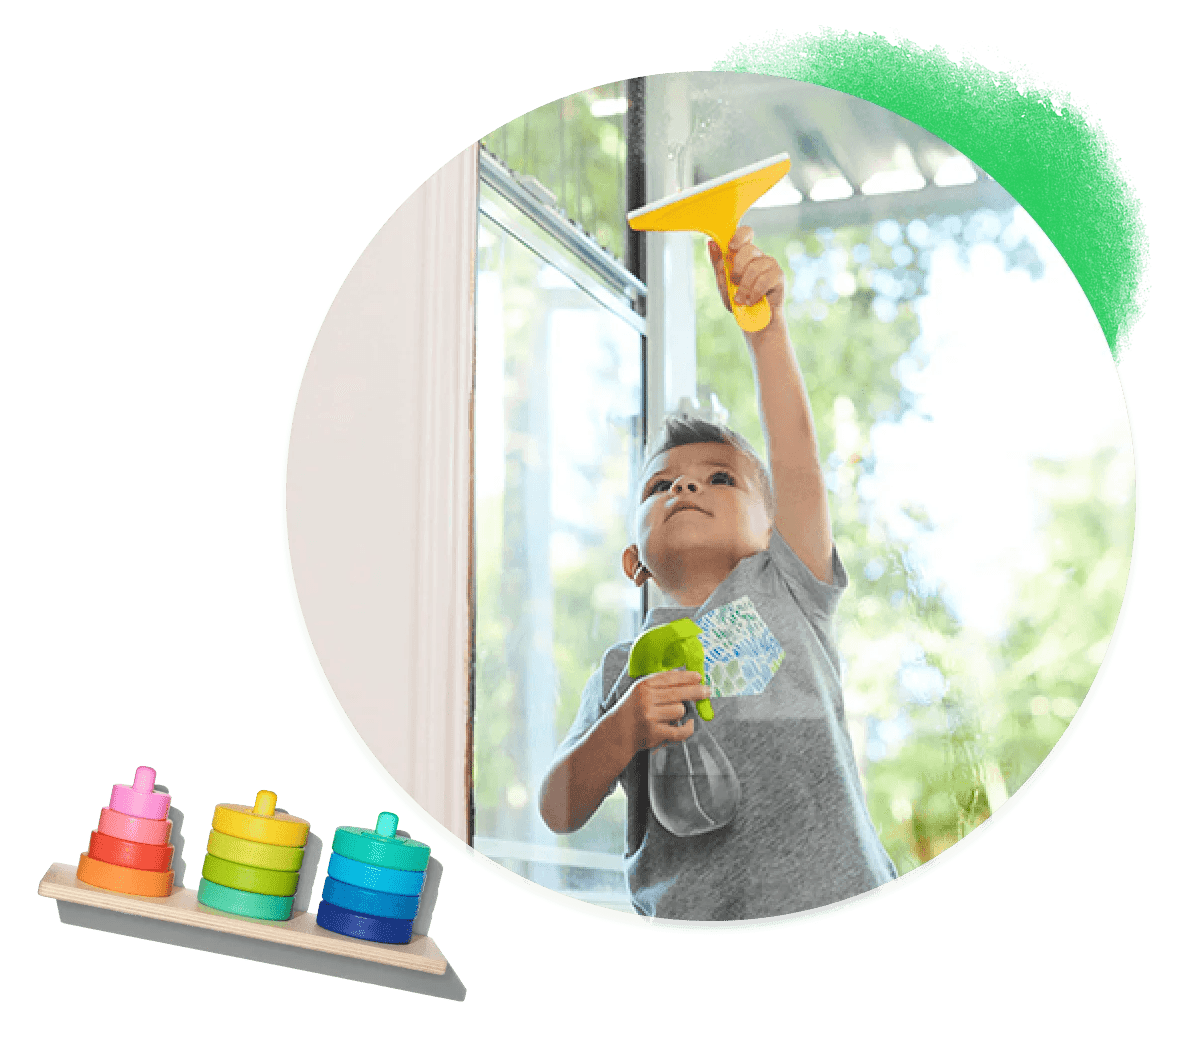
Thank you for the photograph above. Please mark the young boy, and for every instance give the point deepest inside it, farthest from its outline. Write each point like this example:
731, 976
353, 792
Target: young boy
713, 527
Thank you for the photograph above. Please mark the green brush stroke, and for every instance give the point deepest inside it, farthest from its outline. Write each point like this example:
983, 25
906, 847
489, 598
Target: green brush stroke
1047, 157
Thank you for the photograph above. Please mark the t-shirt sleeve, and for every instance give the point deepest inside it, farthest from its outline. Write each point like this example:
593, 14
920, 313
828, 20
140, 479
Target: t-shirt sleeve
817, 598
599, 696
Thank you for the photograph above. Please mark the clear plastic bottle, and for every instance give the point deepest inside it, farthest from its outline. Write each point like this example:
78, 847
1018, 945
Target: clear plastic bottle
693, 787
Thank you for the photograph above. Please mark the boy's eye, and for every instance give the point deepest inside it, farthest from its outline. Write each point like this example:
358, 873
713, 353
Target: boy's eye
659, 486
722, 479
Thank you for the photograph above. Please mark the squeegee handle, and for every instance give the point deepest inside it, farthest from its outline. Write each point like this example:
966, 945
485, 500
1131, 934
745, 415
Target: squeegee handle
750, 318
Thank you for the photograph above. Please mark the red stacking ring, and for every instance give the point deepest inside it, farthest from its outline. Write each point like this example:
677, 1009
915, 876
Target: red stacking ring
147, 857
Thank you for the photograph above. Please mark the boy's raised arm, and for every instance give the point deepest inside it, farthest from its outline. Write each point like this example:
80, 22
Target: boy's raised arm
799, 487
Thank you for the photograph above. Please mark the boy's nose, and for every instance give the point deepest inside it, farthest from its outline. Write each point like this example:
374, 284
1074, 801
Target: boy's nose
681, 482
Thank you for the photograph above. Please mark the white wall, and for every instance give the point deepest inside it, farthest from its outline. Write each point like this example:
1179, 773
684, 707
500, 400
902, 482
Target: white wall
379, 471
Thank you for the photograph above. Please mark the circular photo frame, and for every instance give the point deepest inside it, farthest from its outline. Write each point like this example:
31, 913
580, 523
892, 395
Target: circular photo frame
930, 420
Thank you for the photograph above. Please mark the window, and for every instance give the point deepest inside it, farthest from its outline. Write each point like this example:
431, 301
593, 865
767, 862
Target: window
557, 440
917, 290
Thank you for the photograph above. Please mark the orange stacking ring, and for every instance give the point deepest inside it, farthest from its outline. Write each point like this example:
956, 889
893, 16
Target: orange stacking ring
124, 880
138, 830
148, 857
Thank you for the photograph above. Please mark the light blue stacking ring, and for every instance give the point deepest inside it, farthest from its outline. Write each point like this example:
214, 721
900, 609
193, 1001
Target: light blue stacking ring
369, 902
374, 877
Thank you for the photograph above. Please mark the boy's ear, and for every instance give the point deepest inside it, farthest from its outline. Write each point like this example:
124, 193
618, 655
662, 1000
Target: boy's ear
632, 567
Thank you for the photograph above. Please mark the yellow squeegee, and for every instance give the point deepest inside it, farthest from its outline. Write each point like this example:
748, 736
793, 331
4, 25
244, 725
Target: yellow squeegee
715, 209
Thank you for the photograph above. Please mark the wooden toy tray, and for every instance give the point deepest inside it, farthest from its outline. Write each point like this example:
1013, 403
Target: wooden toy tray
61, 883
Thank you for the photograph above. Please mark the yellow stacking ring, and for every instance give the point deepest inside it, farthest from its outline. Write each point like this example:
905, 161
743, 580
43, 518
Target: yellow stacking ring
260, 823
257, 855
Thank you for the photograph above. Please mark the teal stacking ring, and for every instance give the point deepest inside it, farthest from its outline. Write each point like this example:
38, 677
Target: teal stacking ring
374, 877
377, 848
243, 902
369, 902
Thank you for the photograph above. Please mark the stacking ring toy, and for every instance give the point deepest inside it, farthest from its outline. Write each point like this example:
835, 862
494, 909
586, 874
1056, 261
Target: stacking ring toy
381, 846
138, 798
257, 855
149, 857
364, 927
122, 879
242, 902
250, 880
373, 877
138, 830
369, 902
260, 823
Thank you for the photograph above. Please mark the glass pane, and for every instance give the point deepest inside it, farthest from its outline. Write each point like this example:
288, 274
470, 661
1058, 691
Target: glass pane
556, 445
980, 468
985, 523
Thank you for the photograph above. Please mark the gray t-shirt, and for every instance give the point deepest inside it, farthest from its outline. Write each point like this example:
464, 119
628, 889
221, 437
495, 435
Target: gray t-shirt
802, 836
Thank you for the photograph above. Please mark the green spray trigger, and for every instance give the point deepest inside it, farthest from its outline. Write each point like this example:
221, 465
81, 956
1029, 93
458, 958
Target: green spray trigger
669, 647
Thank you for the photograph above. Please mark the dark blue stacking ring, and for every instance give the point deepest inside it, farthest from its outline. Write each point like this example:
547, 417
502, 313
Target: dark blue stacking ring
364, 927
369, 902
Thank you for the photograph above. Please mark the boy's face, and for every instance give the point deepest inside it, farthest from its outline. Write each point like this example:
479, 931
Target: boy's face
701, 501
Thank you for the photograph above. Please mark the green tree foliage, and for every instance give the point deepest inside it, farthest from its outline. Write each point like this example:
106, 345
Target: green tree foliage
1064, 616
947, 722
576, 155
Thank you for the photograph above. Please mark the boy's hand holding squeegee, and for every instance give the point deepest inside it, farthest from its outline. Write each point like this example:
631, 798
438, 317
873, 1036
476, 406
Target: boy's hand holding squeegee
715, 209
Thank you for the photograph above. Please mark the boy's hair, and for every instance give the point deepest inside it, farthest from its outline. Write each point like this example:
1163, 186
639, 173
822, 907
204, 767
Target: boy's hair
683, 430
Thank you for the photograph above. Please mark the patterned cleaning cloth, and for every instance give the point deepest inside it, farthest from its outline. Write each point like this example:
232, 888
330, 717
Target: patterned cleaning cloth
740, 653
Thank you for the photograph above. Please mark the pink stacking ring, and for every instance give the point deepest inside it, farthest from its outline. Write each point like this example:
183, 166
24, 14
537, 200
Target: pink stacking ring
138, 798
133, 829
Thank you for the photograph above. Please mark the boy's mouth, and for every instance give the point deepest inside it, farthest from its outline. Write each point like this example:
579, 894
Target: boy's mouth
684, 506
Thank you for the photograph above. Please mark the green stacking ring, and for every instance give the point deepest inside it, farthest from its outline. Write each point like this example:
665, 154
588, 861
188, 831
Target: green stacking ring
382, 846
245, 878
242, 902
257, 855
